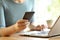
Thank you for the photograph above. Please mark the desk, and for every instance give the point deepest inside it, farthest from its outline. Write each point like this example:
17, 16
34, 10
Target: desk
21, 38
16, 37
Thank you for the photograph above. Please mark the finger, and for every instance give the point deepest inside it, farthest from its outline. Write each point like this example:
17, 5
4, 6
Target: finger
43, 26
22, 21
21, 25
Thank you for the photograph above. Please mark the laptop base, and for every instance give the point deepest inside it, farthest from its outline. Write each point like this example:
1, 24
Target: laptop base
40, 36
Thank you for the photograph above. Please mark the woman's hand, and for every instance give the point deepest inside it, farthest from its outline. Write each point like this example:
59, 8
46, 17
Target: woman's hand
38, 28
17, 27
21, 24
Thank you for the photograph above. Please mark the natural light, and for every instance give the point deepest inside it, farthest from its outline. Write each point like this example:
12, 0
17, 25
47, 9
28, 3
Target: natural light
46, 10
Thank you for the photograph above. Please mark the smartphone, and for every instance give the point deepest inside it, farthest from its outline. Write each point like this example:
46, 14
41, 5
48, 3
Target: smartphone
28, 16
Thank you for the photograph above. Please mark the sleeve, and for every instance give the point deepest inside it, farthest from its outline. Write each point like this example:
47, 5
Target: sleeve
2, 18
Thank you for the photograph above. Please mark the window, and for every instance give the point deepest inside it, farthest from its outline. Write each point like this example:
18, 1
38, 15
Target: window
46, 10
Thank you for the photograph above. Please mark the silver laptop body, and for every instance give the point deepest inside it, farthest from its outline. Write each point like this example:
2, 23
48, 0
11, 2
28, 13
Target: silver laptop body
55, 31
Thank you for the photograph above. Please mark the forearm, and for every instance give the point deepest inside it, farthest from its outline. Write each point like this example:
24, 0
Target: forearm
19, 26
9, 30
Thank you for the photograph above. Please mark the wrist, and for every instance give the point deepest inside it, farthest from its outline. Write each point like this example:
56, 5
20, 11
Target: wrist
16, 27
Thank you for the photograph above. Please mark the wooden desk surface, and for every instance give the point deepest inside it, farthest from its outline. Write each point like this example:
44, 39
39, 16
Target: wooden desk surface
28, 38
21, 38
17, 37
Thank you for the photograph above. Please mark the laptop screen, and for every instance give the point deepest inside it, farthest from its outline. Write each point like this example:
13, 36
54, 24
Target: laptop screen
56, 28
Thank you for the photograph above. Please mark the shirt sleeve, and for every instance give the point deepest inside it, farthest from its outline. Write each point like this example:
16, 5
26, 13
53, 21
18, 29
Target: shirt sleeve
2, 18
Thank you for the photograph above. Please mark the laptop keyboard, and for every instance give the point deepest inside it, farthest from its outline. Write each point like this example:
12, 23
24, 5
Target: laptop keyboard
36, 33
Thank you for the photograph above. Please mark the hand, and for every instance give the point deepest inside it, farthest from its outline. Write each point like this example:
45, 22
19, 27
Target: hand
21, 24
38, 28
17, 27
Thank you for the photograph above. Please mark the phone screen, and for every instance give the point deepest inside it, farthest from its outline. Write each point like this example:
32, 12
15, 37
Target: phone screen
28, 16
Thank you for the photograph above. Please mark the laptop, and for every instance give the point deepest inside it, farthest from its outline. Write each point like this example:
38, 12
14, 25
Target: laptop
55, 31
